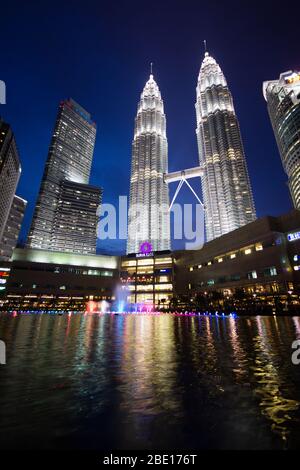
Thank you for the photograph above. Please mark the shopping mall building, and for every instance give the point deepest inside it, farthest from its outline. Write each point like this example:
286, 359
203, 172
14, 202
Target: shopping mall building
261, 259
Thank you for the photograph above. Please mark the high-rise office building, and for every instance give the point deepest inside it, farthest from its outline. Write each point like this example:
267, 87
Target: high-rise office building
149, 220
12, 228
75, 224
283, 101
10, 171
226, 186
69, 159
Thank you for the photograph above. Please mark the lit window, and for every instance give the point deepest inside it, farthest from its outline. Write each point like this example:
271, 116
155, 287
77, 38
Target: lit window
270, 271
163, 279
220, 260
233, 255
145, 262
191, 269
209, 263
163, 287
259, 247
199, 266
248, 251
163, 260
252, 275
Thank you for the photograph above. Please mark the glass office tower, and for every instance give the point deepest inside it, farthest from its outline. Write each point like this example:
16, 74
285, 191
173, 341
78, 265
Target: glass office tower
10, 171
69, 160
283, 101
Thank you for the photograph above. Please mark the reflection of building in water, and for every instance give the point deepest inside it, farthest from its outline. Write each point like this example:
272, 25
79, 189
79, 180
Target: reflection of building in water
146, 389
239, 353
149, 279
270, 380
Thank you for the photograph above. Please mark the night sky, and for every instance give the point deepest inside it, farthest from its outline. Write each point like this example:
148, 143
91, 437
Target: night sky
99, 54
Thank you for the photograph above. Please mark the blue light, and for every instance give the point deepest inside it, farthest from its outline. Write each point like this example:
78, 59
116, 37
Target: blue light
293, 236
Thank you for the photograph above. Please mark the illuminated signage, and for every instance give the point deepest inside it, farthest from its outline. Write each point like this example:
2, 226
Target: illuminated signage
146, 249
293, 236
144, 255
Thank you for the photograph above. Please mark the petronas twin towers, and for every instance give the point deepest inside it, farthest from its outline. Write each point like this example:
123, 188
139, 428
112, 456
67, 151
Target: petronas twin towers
149, 220
226, 186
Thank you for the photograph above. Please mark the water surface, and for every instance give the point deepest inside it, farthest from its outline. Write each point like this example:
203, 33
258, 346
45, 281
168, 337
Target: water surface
148, 382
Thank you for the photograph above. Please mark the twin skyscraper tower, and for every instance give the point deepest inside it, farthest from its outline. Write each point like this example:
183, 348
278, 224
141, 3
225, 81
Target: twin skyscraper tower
226, 188
65, 217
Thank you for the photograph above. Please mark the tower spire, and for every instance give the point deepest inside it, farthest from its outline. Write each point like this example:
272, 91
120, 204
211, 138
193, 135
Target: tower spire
151, 68
205, 48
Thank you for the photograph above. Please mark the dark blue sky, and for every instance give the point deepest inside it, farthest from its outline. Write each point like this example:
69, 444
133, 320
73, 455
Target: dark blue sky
99, 54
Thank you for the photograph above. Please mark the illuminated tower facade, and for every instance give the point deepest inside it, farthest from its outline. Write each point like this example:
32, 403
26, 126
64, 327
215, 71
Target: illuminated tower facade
149, 220
10, 171
283, 100
226, 186
61, 222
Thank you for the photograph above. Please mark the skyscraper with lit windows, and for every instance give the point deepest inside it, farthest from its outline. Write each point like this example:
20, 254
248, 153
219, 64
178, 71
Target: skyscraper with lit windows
12, 207
69, 161
226, 186
10, 172
283, 100
149, 220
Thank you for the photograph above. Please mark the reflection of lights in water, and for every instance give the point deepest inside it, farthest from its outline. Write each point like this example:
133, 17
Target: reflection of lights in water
277, 408
148, 368
296, 321
239, 355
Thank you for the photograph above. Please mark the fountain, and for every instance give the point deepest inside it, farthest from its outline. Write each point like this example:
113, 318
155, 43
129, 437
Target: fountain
121, 294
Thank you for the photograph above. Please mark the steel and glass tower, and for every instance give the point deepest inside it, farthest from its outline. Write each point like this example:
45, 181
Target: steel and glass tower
10, 171
12, 228
283, 100
69, 160
149, 219
225, 184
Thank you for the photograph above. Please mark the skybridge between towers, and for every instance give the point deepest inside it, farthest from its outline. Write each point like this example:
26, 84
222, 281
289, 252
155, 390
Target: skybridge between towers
183, 176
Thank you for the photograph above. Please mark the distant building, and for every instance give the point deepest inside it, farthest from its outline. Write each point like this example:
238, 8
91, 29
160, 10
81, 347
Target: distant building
46, 280
69, 160
12, 228
226, 186
261, 259
259, 262
148, 279
283, 100
149, 220
10, 171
